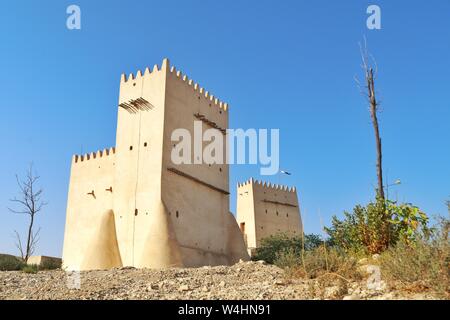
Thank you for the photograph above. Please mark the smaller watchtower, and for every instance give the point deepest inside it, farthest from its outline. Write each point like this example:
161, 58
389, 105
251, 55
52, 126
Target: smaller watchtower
265, 209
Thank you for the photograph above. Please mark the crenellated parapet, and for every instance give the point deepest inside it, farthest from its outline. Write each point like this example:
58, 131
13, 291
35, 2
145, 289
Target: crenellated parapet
94, 155
147, 73
132, 78
199, 90
266, 185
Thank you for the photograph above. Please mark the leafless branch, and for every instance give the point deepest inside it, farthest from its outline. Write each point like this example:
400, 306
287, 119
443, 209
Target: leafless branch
30, 203
18, 244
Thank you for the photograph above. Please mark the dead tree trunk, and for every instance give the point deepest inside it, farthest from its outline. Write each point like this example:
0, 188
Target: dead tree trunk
373, 114
369, 83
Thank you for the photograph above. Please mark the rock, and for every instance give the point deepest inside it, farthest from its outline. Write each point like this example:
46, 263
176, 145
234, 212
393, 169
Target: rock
377, 286
279, 282
351, 297
205, 289
222, 284
334, 292
127, 268
376, 256
154, 286
387, 296
184, 287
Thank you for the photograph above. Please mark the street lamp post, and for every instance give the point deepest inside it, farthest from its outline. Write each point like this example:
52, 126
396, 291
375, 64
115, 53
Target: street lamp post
396, 183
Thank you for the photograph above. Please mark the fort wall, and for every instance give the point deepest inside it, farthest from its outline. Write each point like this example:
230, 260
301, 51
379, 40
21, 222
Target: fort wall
265, 209
91, 191
156, 213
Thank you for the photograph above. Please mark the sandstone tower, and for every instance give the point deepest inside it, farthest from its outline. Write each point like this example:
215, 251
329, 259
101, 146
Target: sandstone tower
264, 210
131, 206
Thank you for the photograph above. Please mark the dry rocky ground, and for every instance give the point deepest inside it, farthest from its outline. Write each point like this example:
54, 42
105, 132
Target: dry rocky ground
244, 280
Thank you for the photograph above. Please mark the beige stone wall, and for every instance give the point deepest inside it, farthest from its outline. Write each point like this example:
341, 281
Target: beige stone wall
267, 210
188, 200
245, 213
138, 171
91, 175
41, 260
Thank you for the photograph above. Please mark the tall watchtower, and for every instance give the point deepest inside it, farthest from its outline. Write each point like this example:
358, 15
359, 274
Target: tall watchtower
264, 209
136, 204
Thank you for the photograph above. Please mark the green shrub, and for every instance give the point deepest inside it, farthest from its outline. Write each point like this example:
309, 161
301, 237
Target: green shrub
315, 260
288, 258
426, 260
375, 227
329, 260
10, 263
282, 245
408, 222
30, 268
50, 265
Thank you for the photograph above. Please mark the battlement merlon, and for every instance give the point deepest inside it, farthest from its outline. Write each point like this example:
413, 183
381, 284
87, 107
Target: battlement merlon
93, 155
164, 66
266, 185
182, 77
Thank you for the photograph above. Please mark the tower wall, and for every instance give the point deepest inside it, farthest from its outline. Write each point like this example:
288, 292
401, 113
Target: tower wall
196, 195
139, 160
92, 172
267, 210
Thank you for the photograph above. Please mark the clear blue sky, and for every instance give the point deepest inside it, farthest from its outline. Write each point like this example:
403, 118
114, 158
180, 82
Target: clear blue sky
280, 64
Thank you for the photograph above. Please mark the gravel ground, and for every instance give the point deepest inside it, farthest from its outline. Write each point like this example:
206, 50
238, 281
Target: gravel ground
244, 280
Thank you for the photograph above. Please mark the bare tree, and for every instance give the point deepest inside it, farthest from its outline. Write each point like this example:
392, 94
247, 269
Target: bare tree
369, 67
28, 203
